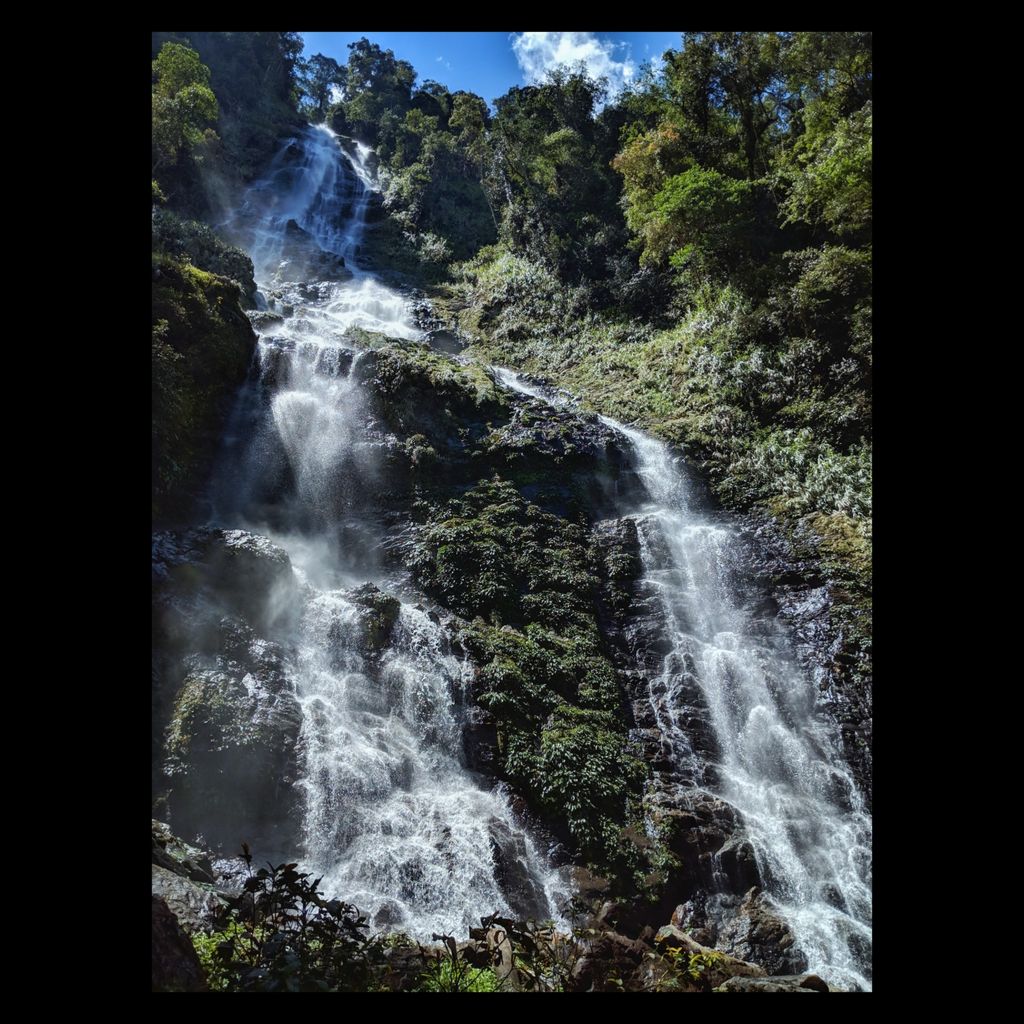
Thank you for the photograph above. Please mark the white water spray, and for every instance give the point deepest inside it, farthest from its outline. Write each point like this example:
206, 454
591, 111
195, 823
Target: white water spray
394, 821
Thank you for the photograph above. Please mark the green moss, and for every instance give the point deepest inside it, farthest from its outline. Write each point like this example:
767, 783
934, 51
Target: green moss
196, 243
380, 615
525, 579
213, 710
202, 344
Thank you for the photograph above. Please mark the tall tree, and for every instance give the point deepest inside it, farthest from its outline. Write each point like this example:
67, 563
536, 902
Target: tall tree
319, 75
183, 103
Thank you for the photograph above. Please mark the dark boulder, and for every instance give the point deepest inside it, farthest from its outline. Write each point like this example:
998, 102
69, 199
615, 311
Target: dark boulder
512, 872
755, 931
175, 965
378, 613
230, 745
781, 983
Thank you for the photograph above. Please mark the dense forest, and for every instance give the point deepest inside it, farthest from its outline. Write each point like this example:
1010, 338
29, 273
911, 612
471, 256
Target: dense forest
690, 256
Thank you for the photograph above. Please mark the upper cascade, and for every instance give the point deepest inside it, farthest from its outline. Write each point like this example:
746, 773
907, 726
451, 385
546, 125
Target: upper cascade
393, 819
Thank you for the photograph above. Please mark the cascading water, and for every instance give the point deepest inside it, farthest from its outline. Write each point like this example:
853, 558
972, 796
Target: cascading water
394, 821
778, 759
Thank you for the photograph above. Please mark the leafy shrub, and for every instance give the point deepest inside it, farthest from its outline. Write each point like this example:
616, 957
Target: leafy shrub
282, 935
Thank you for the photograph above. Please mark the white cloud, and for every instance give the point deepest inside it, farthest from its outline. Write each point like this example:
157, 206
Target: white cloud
537, 52
446, 63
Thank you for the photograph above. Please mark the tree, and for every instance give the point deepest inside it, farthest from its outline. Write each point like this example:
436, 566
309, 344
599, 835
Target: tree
183, 103
320, 73
375, 82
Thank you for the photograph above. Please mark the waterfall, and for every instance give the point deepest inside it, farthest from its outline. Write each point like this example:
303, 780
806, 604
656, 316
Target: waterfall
779, 761
393, 819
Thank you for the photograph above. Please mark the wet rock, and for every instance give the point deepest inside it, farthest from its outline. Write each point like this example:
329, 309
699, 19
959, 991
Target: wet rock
512, 872
417, 391
389, 913
379, 612
195, 905
230, 745
178, 857
782, 983
587, 885
698, 829
540, 439
739, 864
827, 613
219, 572
445, 341
175, 965
754, 931
304, 260
263, 319
617, 549
480, 740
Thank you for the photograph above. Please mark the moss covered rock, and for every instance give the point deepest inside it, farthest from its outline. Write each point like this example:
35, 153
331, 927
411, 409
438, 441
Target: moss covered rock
230, 744
378, 614
202, 345
191, 241
522, 575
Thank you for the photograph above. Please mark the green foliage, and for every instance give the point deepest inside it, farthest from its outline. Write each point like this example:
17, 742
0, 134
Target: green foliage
585, 772
683, 970
699, 215
442, 976
319, 75
376, 83
196, 243
283, 935
523, 575
829, 180
447, 970
183, 103
254, 77
218, 976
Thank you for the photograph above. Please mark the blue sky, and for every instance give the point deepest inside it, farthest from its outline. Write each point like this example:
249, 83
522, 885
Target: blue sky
490, 63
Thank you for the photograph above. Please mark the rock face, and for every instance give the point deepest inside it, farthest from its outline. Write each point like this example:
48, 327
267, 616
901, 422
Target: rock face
745, 927
755, 932
782, 983
712, 862
194, 904
829, 619
227, 572
512, 873
379, 612
304, 260
231, 742
480, 740
176, 966
516, 529
178, 857
202, 348
224, 704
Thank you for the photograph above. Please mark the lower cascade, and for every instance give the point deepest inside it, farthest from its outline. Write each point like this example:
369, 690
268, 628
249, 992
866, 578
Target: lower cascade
777, 760
312, 619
